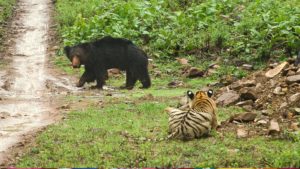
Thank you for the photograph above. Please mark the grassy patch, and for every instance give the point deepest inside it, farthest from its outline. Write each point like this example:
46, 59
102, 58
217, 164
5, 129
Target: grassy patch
127, 135
6, 8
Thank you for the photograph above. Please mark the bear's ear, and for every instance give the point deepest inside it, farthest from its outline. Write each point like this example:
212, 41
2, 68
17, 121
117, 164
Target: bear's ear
190, 94
67, 50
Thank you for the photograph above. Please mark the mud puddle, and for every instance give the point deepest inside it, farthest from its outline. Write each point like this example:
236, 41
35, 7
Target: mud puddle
26, 102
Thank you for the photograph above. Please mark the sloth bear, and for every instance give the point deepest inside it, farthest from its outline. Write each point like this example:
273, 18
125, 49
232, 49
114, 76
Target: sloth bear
107, 53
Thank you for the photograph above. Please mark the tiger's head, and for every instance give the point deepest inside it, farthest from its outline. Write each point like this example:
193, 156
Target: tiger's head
201, 97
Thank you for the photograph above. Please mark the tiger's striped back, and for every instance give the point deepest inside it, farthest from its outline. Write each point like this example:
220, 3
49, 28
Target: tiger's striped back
195, 122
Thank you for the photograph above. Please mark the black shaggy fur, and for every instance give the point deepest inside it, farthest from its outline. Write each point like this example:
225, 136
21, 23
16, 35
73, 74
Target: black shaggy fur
106, 53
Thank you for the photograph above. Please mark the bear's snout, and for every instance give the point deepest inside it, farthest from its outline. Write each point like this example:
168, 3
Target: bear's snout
75, 62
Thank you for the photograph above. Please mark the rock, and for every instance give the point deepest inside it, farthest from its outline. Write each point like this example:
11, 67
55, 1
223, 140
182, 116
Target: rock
248, 94
65, 106
292, 79
247, 67
258, 86
247, 108
294, 126
236, 86
248, 83
241, 133
55, 48
284, 90
272, 83
283, 105
290, 73
274, 127
182, 61
211, 72
113, 71
4, 115
294, 98
297, 111
272, 65
262, 122
298, 72
243, 117
157, 73
278, 91
175, 84
244, 103
228, 98
194, 72
273, 72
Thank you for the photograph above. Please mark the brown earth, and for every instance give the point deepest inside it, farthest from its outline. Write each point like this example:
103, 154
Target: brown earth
31, 90
272, 96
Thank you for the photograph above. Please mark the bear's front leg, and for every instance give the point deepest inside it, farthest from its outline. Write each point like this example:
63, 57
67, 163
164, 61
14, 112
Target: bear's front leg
83, 79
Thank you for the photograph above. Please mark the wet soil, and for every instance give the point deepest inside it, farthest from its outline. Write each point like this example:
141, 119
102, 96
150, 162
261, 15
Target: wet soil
29, 89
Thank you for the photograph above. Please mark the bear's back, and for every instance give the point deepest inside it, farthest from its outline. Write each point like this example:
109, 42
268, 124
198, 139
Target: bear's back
108, 40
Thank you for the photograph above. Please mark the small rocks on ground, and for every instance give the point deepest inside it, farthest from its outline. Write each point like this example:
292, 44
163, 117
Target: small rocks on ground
274, 127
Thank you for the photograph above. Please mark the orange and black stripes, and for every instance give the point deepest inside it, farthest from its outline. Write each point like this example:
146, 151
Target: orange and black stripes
195, 122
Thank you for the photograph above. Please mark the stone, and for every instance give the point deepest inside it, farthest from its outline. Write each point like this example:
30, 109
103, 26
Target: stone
248, 94
4, 115
283, 105
243, 117
273, 127
298, 72
258, 86
294, 126
113, 71
182, 61
293, 79
244, 103
277, 90
247, 67
290, 73
228, 98
294, 98
248, 83
241, 133
273, 72
194, 72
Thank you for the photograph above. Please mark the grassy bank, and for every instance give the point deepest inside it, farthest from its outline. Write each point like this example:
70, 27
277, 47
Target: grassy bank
241, 31
124, 128
126, 132
6, 9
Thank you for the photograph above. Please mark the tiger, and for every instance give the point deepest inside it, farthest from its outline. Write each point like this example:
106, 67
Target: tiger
198, 120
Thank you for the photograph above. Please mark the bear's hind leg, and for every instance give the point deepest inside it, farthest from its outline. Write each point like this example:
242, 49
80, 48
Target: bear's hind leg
144, 78
130, 80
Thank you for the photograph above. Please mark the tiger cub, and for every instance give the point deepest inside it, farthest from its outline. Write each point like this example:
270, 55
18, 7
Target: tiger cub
198, 120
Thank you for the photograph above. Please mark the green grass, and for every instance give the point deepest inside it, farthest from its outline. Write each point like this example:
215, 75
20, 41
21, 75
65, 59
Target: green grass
6, 9
166, 29
124, 135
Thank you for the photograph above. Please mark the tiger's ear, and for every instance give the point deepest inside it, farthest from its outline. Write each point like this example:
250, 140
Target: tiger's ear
210, 92
190, 94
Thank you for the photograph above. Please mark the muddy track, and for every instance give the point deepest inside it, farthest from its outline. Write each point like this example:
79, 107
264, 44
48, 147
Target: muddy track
27, 99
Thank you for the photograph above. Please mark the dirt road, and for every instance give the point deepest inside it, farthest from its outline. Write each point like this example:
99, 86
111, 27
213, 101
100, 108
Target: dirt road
26, 103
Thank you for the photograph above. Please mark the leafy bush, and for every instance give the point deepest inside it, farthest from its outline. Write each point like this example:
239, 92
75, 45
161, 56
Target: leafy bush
238, 29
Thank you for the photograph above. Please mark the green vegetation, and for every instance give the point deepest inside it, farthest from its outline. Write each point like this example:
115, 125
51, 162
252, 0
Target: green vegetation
6, 8
128, 134
237, 30
127, 130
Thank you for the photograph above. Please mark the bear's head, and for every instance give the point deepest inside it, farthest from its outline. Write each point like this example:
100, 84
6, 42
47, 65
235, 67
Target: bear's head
76, 54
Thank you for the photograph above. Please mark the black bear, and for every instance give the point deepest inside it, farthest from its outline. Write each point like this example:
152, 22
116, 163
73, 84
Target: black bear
107, 53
